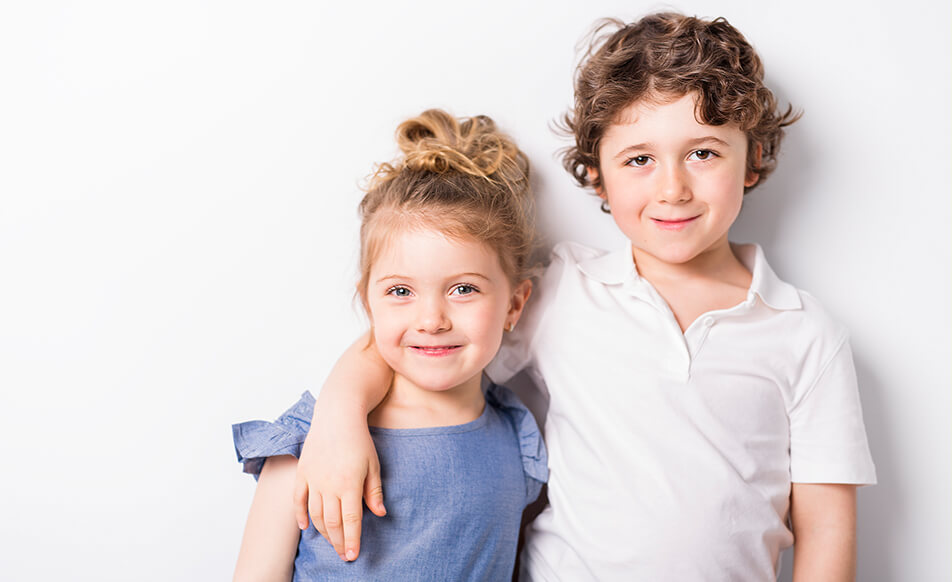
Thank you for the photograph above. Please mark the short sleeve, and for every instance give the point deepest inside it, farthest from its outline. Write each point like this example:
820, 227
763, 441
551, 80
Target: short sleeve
827, 435
535, 463
257, 440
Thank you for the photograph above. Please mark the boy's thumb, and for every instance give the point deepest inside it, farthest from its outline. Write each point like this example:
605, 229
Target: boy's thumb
373, 492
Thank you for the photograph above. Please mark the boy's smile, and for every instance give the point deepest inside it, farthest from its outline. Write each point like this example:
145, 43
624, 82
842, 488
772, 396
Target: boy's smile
674, 185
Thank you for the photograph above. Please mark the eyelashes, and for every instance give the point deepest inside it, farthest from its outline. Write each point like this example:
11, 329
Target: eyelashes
702, 155
460, 289
637, 161
699, 155
399, 291
464, 289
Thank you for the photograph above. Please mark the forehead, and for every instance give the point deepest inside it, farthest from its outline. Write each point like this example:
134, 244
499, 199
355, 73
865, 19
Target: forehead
658, 118
429, 253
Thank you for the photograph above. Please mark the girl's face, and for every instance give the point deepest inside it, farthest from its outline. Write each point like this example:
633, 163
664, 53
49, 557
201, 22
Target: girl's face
439, 307
674, 185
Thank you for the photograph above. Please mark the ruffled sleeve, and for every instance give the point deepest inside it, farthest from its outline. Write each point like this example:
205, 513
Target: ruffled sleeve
257, 440
535, 462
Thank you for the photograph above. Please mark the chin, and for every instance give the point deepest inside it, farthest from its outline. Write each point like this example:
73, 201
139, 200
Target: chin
436, 384
675, 256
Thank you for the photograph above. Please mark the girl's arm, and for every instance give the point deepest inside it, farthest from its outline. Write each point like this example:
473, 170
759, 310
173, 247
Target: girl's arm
271, 536
824, 530
338, 466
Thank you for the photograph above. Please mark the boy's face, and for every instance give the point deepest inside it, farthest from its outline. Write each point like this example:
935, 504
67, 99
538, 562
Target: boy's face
674, 185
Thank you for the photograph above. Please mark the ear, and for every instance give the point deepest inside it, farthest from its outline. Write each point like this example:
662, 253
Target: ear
520, 294
753, 176
592, 178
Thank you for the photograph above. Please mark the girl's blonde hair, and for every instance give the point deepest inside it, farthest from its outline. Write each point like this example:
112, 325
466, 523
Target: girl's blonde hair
461, 177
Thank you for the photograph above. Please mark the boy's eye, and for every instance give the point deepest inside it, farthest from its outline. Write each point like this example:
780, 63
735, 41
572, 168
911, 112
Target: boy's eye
702, 155
463, 290
398, 291
638, 161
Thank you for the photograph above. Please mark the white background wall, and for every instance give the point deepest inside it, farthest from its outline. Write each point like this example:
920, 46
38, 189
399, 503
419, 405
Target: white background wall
178, 183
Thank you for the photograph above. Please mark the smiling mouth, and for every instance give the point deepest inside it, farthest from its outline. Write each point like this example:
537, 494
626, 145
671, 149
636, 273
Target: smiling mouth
435, 351
674, 223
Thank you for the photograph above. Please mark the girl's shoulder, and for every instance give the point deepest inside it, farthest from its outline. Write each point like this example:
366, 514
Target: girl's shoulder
531, 446
256, 440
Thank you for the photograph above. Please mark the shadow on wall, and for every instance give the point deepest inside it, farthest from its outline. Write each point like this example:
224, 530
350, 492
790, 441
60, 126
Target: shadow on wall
763, 219
880, 508
762, 216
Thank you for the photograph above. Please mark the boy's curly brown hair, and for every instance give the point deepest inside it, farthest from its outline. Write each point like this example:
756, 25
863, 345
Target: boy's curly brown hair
666, 56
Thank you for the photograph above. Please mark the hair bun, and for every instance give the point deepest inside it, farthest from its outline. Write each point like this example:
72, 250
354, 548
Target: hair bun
435, 141
460, 177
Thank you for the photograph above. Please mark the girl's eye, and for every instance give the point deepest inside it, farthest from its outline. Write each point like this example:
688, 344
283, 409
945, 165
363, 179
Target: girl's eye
398, 291
463, 290
638, 161
702, 155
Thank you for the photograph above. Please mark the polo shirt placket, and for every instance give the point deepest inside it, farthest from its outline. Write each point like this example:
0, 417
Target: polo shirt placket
669, 452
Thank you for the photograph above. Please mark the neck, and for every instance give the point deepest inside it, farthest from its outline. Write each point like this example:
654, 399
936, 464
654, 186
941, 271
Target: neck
407, 405
717, 263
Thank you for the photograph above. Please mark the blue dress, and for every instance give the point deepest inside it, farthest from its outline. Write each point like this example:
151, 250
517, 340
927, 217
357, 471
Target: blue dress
454, 494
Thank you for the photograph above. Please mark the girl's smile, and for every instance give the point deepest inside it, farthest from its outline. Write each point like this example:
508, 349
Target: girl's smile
439, 307
436, 351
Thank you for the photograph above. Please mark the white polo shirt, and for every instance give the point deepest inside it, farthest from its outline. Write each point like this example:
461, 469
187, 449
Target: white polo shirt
671, 454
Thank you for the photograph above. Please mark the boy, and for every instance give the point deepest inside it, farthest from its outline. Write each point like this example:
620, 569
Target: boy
703, 414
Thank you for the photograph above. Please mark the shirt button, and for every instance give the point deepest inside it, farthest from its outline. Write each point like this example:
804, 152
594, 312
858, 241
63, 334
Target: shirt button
708, 321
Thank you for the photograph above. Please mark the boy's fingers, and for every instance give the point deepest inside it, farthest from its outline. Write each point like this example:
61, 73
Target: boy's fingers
300, 503
351, 515
332, 521
373, 492
316, 504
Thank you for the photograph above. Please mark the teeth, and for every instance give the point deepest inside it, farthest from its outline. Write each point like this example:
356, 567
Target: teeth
434, 348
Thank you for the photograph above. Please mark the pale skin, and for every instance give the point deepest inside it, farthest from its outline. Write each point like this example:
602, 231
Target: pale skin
439, 307
675, 186
271, 534
824, 529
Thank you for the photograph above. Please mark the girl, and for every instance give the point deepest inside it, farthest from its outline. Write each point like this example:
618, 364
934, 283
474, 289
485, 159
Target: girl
702, 413
445, 239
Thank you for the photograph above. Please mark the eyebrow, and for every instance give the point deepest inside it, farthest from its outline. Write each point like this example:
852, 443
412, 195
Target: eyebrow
707, 139
456, 276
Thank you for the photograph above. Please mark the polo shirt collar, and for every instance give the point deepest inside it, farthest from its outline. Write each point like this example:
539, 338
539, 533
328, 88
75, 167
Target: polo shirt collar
617, 267
765, 283
612, 268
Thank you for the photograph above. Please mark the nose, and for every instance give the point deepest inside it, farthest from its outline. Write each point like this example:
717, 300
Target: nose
675, 185
432, 316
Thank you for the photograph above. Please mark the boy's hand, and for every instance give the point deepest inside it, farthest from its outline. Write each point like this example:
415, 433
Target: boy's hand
332, 480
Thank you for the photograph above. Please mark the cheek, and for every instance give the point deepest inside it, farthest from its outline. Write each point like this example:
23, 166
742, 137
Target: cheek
385, 324
627, 213
487, 323
627, 194
726, 191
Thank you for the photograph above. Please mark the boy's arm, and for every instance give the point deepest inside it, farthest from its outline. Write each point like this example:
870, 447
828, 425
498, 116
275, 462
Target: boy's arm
271, 536
824, 529
338, 467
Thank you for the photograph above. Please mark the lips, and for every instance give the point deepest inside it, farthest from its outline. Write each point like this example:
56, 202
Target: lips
674, 223
436, 351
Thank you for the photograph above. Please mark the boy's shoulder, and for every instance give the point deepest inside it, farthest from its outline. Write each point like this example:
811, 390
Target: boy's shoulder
804, 317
